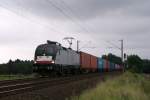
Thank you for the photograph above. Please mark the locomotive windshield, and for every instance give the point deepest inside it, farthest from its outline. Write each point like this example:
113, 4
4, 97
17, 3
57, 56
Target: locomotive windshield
47, 50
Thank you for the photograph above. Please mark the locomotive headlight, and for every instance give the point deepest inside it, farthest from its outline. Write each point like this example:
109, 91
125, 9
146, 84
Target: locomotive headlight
34, 62
53, 61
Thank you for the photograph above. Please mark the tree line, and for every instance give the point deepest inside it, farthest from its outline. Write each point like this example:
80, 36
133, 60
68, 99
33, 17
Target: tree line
135, 64
17, 67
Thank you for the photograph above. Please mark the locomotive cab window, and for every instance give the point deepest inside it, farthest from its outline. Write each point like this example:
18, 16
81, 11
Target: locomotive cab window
49, 51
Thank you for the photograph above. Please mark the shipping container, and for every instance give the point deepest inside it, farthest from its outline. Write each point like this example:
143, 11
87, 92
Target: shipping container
100, 64
120, 67
112, 66
84, 60
106, 65
93, 62
88, 62
116, 67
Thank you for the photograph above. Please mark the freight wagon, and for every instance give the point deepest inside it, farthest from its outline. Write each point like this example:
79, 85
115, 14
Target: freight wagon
88, 62
112, 66
100, 63
107, 66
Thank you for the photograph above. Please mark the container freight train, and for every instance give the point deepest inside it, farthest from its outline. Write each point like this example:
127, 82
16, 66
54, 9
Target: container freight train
52, 58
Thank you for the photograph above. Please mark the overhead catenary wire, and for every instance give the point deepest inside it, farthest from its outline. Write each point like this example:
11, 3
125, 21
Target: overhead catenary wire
69, 17
113, 45
74, 15
27, 18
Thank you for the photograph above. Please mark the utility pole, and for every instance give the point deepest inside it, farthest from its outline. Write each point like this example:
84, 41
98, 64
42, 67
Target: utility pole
78, 45
122, 55
120, 48
122, 51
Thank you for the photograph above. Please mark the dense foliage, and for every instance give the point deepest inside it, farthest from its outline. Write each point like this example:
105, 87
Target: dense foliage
17, 67
146, 66
135, 64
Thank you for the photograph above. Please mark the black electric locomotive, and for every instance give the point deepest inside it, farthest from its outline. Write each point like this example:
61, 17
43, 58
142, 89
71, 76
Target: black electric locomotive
52, 58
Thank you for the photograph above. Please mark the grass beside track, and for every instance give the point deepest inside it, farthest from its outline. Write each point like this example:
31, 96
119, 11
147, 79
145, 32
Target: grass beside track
13, 77
128, 86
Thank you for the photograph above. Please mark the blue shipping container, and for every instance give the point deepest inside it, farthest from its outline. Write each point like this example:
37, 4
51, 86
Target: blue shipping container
112, 66
100, 64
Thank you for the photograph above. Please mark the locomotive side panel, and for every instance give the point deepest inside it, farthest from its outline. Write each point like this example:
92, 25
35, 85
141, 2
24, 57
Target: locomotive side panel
74, 58
62, 57
67, 57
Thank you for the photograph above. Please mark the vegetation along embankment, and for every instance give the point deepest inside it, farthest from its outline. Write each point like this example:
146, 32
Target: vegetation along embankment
129, 86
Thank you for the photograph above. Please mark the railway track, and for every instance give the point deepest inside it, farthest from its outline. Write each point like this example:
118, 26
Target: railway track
20, 86
9, 82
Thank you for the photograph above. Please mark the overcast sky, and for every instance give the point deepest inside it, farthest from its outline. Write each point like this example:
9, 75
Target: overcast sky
24, 24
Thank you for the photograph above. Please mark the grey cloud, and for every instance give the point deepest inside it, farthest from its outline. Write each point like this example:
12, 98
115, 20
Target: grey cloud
83, 9
104, 20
